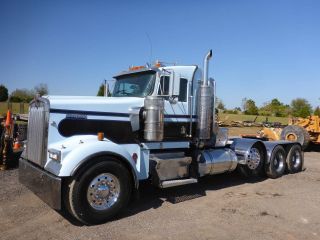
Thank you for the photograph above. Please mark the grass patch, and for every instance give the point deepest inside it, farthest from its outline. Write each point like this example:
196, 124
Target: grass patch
14, 107
241, 117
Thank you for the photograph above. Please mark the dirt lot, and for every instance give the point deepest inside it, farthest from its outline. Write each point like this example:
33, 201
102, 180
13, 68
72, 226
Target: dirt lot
227, 207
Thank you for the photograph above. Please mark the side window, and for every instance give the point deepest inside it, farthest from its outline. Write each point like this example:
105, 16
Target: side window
183, 90
164, 85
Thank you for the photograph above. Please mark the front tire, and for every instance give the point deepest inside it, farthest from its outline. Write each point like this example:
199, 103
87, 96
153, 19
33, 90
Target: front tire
99, 193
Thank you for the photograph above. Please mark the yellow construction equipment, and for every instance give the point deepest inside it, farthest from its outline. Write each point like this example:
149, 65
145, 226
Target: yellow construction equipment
10, 145
5, 141
272, 134
303, 130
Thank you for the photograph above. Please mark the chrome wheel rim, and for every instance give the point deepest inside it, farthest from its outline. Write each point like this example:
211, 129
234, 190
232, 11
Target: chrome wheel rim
103, 191
278, 161
254, 158
296, 159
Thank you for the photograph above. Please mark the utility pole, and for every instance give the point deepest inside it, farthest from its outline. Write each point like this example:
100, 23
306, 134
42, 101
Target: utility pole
105, 88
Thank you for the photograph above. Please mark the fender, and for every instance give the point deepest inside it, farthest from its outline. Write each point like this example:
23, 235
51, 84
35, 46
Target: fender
242, 147
270, 145
81, 153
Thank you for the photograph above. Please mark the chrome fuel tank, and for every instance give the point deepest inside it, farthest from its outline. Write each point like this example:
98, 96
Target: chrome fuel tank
215, 161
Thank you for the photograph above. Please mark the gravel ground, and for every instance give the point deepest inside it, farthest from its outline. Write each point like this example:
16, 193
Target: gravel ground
227, 207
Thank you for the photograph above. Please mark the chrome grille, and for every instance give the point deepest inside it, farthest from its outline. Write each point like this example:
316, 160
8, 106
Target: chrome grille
38, 131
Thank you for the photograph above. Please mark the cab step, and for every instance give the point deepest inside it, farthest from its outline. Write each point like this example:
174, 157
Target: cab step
179, 182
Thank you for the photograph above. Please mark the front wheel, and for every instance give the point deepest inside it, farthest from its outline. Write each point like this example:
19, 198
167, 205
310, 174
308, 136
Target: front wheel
99, 193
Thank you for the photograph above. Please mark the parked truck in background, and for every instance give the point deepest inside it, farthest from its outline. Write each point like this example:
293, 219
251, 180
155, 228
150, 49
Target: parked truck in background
88, 154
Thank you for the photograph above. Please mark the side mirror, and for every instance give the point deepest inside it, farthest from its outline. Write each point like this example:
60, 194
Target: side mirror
173, 99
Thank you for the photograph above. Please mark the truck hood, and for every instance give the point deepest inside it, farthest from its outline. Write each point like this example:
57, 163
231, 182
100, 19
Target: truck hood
95, 104
117, 117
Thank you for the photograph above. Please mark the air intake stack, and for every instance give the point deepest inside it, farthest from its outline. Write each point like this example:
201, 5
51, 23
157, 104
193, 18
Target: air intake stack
205, 104
154, 118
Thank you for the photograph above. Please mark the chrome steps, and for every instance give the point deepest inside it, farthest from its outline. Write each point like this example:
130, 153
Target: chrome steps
178, 182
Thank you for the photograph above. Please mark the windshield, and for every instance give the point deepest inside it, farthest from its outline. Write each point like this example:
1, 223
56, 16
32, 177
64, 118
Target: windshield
134, 85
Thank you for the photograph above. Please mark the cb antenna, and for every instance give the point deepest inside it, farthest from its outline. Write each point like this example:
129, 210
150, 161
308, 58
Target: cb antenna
150, 43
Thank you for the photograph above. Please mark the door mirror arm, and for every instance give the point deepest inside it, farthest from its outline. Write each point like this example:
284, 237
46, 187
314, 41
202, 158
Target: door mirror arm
173, 99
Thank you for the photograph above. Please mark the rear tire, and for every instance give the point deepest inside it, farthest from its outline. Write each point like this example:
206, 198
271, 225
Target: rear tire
99, 193
277, 164
255, 163
295, 159
296, 133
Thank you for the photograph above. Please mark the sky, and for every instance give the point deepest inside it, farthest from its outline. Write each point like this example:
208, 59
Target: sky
261, 49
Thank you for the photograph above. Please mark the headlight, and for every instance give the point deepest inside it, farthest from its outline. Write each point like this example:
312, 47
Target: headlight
54, 154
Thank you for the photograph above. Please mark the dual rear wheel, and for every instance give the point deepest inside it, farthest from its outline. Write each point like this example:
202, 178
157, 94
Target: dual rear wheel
295, 159
277, 165
281, 159
254, 166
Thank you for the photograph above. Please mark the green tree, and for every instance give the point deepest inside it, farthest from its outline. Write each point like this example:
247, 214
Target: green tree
301, 107
3, 93
220, 104
238, 109
275, 108
22, 95
250, 107
317, 111
101, 90
41, 89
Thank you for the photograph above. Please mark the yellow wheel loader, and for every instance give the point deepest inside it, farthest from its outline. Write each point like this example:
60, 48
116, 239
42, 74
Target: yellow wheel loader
303, 130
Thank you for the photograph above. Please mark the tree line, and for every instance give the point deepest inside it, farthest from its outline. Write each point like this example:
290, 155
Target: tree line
22, 95
298, 107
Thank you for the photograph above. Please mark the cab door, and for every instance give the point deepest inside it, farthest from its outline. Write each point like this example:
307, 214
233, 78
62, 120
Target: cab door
174, 89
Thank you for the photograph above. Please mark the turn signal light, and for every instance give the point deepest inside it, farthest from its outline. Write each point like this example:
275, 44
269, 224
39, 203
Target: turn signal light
158, 64
100, 136
134, 68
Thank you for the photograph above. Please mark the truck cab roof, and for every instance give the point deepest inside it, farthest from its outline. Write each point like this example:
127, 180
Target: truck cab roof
182, 69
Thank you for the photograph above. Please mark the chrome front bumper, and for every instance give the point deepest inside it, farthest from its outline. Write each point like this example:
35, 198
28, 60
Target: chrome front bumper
45, 185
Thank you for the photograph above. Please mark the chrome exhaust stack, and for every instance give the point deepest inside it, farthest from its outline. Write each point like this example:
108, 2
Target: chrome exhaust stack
205, 105
205, 74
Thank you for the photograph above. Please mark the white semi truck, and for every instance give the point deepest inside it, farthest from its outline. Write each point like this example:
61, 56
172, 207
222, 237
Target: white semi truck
88, 154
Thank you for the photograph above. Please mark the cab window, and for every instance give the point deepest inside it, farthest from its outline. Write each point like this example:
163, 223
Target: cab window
164, 85
183, 90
